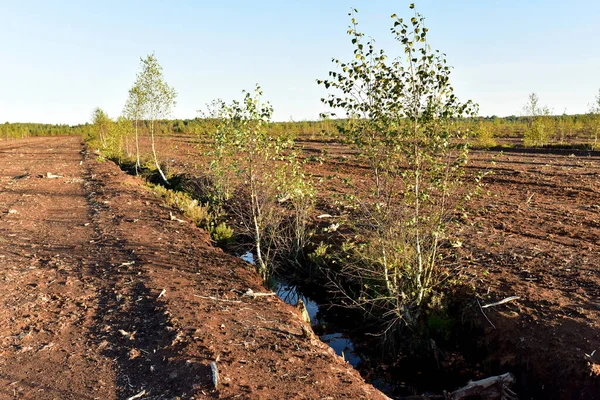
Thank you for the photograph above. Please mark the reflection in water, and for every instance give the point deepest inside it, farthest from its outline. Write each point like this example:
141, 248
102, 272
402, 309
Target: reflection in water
289, 293
338, 341
342, 346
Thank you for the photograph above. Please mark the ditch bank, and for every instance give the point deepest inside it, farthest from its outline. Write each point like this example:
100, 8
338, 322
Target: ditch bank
105, 296
214, 307
347, 333
527, 237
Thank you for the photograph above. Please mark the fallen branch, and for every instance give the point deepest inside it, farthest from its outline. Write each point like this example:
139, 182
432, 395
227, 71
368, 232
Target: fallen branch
216, 299
174, 218
127, 264
494, 387
253, 294
137, 396
503, 301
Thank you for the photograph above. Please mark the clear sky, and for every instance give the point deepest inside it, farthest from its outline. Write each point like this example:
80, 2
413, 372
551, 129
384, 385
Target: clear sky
61, 59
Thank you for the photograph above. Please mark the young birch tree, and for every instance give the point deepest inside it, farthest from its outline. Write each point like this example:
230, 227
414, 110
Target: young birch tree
402, 116
157, 97
134, 110
257, 172
538, 130
101, 123
594, 121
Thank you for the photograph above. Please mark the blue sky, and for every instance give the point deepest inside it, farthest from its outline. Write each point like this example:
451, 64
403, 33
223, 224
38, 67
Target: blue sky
61, 59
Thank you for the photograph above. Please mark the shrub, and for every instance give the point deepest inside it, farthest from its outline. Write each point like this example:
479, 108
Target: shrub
485, 136
402, 118
255, 173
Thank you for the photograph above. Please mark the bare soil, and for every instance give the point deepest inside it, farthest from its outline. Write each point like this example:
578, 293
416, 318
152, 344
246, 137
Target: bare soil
105, 297
536, 234
533, 233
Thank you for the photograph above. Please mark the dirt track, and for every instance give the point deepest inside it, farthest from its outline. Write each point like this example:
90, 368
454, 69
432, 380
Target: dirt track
84, 258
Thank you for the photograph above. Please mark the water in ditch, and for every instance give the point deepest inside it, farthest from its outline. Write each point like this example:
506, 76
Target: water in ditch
339, 341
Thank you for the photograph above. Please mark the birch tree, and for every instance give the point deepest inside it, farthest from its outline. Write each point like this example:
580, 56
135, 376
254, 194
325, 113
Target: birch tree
101, 123
401, 122
156, 99
134, 110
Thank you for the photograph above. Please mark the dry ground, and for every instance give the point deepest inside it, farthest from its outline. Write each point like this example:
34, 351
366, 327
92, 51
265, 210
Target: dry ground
103, 296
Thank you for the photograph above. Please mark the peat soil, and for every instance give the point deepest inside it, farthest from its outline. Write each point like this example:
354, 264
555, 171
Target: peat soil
533, 233
104, 296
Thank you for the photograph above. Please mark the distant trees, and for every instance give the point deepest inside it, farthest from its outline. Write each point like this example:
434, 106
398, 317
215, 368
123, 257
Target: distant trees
5, 130
179, 126
20, 130
538, 130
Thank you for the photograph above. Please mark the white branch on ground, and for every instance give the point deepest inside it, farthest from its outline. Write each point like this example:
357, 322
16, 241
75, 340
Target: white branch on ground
503, 301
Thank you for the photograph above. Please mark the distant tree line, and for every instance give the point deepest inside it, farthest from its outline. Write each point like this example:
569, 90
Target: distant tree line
549, 129
20, 130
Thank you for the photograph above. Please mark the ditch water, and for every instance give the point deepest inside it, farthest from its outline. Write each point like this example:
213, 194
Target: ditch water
339, 341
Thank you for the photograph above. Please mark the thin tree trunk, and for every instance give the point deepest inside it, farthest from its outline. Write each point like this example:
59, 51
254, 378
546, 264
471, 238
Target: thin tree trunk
162, 175
137, 148
262, 266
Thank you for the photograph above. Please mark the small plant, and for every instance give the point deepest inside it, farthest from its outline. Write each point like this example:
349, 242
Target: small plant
320, 254
538, 132
222, 234
196, 212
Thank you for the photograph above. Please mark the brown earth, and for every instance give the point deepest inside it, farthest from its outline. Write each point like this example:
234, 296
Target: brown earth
534, 233
105, 297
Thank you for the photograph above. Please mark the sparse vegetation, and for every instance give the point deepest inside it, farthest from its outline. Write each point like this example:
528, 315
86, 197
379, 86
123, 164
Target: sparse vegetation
538, 127
254, 172
375, 211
